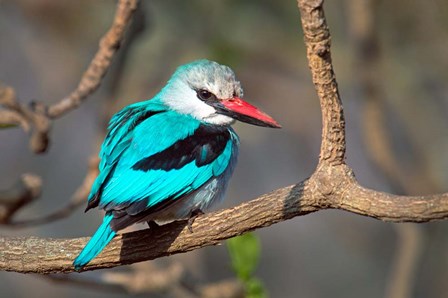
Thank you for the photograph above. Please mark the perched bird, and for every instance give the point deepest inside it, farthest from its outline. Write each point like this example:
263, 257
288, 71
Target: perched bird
170, 157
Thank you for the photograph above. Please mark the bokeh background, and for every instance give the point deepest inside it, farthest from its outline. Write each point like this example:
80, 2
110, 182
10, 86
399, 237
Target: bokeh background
392, 76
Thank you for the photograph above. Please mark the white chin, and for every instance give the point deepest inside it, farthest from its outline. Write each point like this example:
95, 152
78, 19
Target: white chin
218, 119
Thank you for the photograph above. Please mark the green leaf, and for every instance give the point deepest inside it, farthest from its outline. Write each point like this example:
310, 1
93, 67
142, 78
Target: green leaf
244, 254
255, 289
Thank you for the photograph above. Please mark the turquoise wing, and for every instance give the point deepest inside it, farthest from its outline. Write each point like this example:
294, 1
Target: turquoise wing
120, 134
159, 159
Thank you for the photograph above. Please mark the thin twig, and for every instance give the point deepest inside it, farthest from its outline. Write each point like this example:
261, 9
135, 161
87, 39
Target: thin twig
37, 116
23, 193
99, 65
78, 199
31, 118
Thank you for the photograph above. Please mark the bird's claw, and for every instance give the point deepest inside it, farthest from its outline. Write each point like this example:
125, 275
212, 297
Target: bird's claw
193, 214
152, 224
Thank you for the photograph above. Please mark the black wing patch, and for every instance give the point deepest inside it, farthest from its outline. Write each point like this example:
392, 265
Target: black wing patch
127, 119
204, 146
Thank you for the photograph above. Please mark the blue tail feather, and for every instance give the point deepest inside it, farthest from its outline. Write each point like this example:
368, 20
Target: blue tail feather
96, 244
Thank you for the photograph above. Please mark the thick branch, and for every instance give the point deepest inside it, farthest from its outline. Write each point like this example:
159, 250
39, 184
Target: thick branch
56, 255
320, 192
318, 40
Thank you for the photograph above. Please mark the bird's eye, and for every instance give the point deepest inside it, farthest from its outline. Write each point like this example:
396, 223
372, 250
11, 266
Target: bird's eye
205, 94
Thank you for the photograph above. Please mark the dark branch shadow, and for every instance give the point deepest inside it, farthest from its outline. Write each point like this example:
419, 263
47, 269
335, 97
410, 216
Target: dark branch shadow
150, 243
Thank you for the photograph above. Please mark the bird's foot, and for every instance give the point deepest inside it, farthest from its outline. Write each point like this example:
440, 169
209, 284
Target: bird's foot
193, 214
152, 224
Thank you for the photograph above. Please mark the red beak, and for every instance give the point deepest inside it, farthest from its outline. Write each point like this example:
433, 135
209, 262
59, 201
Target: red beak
240, 110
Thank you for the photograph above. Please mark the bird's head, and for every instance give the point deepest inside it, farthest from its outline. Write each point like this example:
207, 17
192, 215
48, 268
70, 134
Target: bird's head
210, 92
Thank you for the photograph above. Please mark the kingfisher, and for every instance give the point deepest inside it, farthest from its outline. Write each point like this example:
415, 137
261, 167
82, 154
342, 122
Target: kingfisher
171, 157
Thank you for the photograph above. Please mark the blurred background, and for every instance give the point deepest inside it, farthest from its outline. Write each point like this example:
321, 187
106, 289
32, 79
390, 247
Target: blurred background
391, 62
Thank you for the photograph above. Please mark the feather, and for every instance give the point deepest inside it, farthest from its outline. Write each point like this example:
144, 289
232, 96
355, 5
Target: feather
96, 244
118, 140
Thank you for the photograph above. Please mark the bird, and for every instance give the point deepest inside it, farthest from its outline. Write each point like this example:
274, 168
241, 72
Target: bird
171, 157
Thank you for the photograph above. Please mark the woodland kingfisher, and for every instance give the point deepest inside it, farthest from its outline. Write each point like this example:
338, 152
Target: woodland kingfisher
171, 157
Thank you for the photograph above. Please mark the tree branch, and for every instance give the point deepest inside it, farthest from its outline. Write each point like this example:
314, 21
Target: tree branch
78, 199
38, 116
331, 186
97, 69
32, 118
24, 192
317, 40
40, 255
